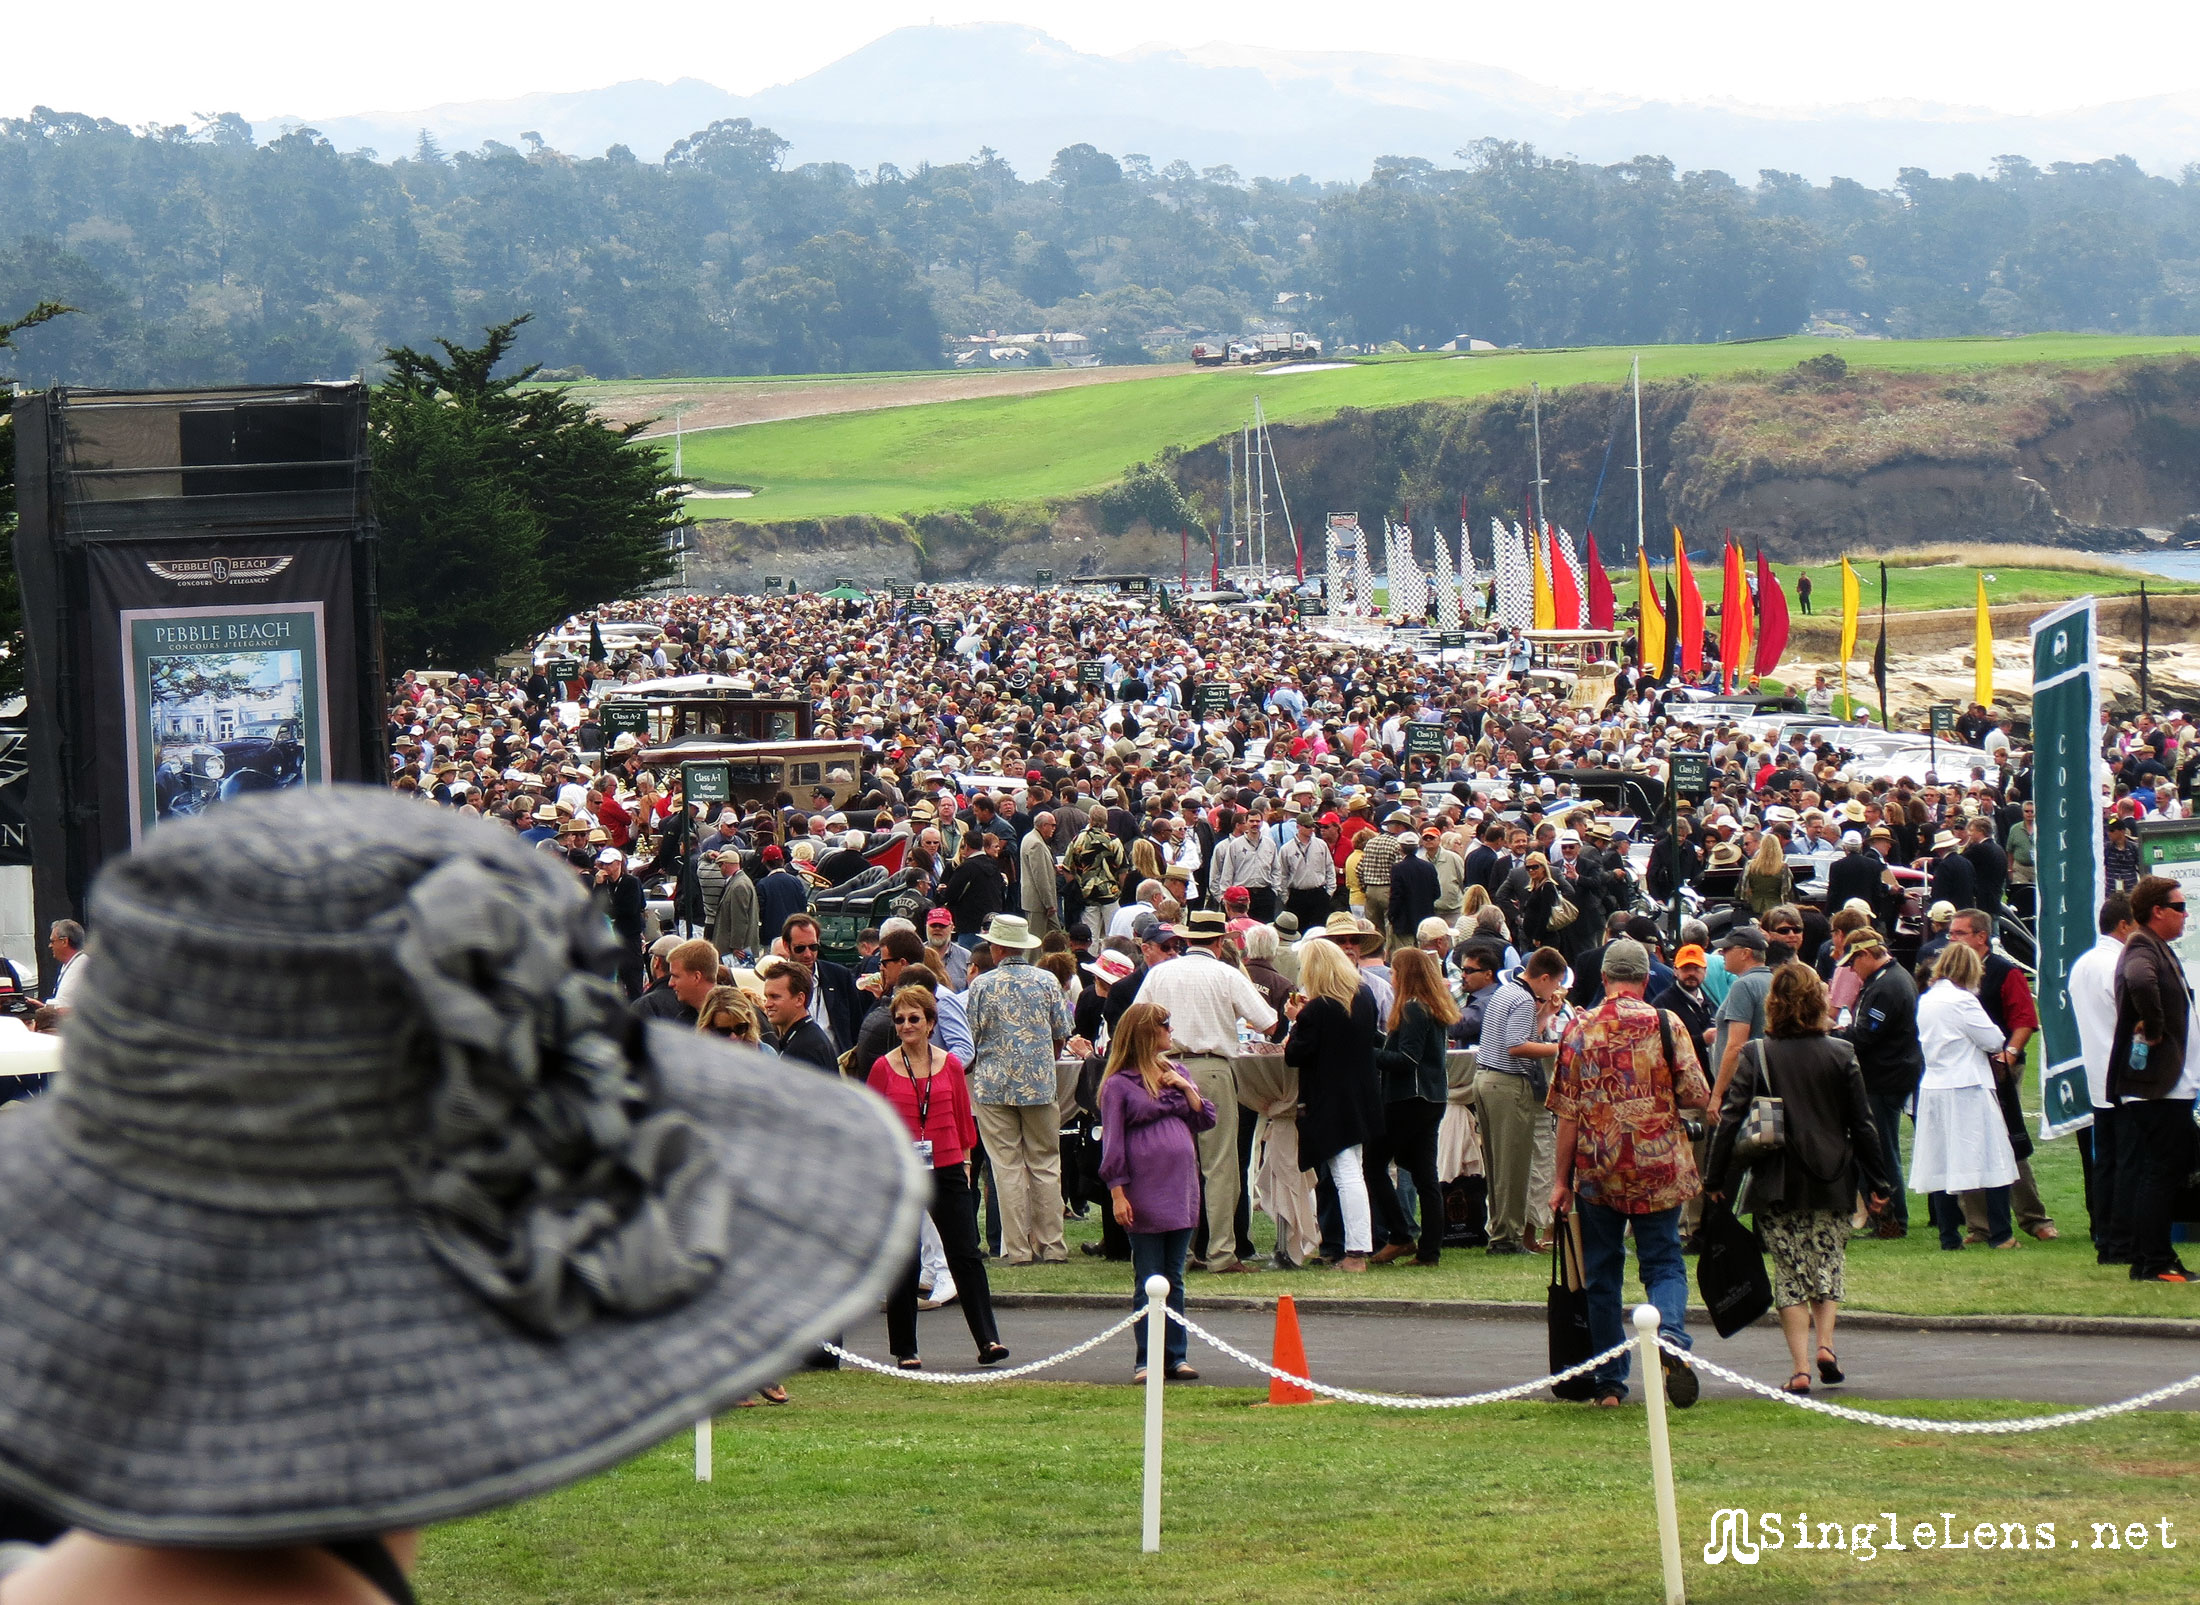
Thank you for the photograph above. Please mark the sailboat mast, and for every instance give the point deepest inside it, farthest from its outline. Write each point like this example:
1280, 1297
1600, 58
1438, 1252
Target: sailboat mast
1229, 532
1282, 497
1535, 394
1640, 512
1260, 434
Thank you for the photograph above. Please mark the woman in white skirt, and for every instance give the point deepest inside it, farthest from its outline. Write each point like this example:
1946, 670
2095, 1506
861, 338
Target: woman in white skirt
1961, 1143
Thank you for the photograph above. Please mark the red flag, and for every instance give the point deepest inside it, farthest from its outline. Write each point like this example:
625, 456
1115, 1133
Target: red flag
1733, 619
1298, 553
1772, 616
1565, 594
1214, 568
1603, 609
1688, 626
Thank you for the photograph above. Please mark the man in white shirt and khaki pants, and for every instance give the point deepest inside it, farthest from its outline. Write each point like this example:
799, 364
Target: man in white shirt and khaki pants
1205, 999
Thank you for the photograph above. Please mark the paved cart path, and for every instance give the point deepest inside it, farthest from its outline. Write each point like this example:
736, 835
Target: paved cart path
1452, 1355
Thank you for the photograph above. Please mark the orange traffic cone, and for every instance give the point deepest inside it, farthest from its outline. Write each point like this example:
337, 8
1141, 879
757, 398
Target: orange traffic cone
1289, 1355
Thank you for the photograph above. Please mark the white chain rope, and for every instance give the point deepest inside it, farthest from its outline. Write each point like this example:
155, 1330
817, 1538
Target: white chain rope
896, 1371
1873, 1418
1400, 1401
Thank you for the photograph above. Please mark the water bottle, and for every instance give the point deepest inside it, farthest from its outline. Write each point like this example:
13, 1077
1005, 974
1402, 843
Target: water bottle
2139, 1052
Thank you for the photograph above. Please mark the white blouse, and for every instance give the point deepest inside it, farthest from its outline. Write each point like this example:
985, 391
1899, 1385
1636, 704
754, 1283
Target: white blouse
1956, 1035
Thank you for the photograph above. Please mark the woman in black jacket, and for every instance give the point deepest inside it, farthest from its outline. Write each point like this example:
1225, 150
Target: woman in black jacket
1802, 1193
1538, 904
1411, 1064
1332, 1046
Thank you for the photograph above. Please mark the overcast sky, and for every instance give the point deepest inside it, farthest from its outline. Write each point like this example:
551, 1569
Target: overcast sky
145, 60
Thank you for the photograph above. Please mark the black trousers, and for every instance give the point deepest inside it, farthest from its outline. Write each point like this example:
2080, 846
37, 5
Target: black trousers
1263, 905
1409, 1141
1311, 907
954, 1210
2097, 1155
2153, 1158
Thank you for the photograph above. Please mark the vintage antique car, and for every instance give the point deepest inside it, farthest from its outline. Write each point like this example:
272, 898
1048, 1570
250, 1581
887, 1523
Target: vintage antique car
264, 755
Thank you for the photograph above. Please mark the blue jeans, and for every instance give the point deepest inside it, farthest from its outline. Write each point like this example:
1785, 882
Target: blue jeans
1604, 1268
1160, 1254
1887, 1117
1945, 1210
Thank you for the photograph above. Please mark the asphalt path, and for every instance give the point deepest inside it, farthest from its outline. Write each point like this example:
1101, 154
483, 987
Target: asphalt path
1438, 1355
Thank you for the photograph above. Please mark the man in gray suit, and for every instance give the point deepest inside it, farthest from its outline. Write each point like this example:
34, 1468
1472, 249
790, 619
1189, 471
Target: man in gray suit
1035, 869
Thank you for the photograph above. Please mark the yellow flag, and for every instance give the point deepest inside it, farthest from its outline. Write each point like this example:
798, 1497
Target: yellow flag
1546, 604
1983, 693
1653, 616
1850, 597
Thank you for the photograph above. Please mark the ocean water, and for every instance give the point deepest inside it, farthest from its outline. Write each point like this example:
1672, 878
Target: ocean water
2170, 565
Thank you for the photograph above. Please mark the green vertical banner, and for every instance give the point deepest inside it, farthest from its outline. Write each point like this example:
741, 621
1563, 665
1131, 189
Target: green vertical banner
2067, 778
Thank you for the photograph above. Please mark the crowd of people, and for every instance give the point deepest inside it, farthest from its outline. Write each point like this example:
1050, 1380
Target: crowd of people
1146, 840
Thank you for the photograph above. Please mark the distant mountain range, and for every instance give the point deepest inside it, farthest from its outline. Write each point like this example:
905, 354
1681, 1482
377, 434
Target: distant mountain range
940, 93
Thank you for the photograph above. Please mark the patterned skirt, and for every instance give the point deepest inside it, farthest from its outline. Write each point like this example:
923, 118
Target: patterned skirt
1808, 1248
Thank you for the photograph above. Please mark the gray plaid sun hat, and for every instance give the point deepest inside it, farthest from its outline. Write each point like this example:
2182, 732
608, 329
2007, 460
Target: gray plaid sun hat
360, 1203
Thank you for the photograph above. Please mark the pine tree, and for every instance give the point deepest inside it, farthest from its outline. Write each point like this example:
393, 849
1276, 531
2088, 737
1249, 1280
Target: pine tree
505, 506
11, 589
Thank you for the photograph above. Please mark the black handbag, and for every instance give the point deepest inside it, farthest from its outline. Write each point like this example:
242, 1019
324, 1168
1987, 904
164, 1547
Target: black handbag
1566, 1313
1730, 1271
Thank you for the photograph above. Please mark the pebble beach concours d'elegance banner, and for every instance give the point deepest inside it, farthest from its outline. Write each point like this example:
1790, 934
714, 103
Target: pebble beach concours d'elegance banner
2067, 777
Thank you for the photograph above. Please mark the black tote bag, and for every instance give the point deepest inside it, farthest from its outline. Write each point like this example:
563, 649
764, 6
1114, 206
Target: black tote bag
1566, 1312
1730, 1271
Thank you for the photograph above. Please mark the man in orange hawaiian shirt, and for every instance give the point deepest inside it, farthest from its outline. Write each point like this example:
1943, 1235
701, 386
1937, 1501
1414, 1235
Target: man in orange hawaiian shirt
1625, 1072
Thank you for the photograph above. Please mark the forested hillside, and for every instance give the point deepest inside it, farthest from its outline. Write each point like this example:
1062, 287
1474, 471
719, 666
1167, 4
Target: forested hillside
199, 256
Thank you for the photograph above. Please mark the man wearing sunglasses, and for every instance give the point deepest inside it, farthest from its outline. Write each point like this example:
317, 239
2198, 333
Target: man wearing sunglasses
2152, 1077
836, 1005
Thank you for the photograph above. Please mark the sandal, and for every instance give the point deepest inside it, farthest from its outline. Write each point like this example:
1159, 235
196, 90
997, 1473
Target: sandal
1181, 1372
1829, 1366
775, 1394
993, 1354
1609, 1397
1802, 1378
909, 1362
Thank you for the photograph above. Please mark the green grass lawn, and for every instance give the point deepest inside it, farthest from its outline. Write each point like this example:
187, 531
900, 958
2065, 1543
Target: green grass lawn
1911, 1276
1944, 585
869, 1489
956, 454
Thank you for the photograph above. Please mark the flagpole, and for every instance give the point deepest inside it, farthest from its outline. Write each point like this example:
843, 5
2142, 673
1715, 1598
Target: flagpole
1535, 395
1640, 511
1882, 664
2146, 699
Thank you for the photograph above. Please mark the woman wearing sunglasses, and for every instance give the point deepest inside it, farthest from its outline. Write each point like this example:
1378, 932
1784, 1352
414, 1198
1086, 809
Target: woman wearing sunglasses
925, 1085
729, 1012
1150, 1116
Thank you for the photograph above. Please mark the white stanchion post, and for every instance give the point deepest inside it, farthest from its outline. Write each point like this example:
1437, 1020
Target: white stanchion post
702, 1450
1661, 1452
1157, 1331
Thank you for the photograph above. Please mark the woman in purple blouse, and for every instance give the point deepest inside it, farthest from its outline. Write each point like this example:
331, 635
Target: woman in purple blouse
1150, 1116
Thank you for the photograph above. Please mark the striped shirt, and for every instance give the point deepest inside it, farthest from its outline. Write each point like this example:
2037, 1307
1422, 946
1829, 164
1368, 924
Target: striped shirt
1507, 1022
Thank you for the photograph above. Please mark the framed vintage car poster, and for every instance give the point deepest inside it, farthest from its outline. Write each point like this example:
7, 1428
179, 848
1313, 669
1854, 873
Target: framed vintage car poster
221, 702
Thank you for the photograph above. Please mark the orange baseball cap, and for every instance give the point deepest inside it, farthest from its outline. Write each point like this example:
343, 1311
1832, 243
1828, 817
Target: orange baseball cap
1691, 954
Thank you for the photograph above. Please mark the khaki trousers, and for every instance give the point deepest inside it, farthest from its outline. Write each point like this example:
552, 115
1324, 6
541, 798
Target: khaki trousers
1024, 1143
1377, 903
1506, 1104
1220, 1178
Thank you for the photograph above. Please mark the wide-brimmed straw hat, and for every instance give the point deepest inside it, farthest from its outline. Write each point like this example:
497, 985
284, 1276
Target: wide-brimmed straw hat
360, 1203
1010, 930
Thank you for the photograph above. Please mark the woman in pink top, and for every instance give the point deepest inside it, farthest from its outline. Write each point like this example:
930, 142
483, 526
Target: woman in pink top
926, 1087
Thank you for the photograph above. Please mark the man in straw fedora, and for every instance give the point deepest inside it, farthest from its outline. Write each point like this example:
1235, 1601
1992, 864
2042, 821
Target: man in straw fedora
361, 1204
1019, 1021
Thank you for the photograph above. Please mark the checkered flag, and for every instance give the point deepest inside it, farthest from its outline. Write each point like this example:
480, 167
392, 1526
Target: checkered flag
1363, 577
1447, 594
1470, 585
1515, 580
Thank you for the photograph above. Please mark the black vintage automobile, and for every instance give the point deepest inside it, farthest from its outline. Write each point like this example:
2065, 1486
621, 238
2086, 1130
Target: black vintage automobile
264, 755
